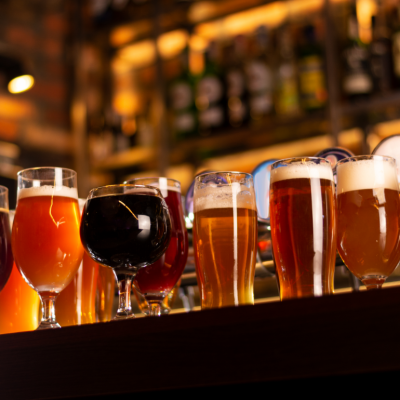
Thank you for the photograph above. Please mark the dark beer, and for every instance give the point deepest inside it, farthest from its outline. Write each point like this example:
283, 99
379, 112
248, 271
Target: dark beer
125, 231
303, 229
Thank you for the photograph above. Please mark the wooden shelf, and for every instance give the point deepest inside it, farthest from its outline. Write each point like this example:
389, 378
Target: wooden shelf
348, 337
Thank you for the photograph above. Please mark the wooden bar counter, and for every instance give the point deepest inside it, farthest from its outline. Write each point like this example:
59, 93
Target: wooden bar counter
354, 336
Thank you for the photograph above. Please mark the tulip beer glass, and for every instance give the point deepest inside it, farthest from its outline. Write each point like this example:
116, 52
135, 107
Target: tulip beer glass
225, 238
45, 237
368, 213
156, 280
303, 226
125, 227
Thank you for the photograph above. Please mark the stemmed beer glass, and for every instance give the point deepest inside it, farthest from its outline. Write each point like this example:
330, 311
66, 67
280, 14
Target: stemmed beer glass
45, 236
125, 227
368, 211
156, 281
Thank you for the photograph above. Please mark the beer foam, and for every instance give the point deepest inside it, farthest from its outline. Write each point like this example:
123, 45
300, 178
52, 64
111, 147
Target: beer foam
222, 197
48, 190
302, 170
366, 174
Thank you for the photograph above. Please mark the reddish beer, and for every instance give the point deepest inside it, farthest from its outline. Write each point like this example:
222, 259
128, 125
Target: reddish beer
302, 213
368, 210
46, 244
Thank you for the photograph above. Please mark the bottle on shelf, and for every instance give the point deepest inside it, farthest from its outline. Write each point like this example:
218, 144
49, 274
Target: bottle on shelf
209, 95
311, 72
357, 80
259, 77
235, 82
287, 101
182, 108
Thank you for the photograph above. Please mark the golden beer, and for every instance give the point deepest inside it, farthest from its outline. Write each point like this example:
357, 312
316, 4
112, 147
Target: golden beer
302, 215
225, 240
368, 218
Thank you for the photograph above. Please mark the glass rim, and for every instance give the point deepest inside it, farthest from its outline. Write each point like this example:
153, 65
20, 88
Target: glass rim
311, 158
153, 177
365, 158
224, 172
3, 190
22, 171
121, 185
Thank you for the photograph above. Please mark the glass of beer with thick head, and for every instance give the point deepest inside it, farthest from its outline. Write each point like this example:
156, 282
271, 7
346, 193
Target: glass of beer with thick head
45, 236
368, 212
225, 238
302, 213
125, 227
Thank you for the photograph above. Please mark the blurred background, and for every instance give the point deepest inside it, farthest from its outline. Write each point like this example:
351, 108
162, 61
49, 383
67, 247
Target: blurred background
122, 88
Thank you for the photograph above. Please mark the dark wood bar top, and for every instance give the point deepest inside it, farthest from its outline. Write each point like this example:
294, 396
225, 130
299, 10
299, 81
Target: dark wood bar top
334, 337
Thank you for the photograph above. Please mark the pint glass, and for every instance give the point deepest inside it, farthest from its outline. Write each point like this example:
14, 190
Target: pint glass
225, 238
368, 212
303, 226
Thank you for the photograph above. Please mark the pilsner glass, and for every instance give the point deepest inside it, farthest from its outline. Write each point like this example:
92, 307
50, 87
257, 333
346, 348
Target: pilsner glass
158, 279
45, 236
368, 211
6, 258
225, 238
125, 227
302, 218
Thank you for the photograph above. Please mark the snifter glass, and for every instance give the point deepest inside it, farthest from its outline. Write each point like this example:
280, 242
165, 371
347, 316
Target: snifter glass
45, 236
156, 281
368, 211
225, 238
302, 216
125, 227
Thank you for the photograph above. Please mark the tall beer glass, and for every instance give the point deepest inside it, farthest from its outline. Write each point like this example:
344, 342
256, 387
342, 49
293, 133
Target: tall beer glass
303, 226
368, 212
157, 280
225, 238
45, 236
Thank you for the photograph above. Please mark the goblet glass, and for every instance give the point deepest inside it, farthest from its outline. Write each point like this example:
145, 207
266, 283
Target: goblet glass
125, 227
158, 279
368, 211
45, 236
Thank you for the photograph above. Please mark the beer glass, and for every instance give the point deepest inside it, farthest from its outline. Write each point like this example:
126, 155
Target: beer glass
45, 236
6, 258
106, 281
302, 216
125, 227
225, 238
368, 212
156, 280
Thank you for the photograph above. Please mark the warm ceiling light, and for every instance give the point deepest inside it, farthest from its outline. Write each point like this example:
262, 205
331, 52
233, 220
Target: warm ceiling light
21, 84
172, 43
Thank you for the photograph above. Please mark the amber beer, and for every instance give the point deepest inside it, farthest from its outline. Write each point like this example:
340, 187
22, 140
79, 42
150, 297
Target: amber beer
303, 226
45, 237
368, 218
225, 239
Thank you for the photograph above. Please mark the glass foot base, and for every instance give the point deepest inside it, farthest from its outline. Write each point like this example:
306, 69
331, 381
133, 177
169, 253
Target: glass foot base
122, 317
48, 325
373, 281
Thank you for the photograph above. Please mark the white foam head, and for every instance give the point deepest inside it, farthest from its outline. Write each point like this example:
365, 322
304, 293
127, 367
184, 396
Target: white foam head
366, 174
48, 190
224, 196
299, 170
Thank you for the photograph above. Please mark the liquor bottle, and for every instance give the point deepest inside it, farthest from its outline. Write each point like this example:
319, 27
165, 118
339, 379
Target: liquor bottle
357, 81
312, 83
381, 54
235, 82
209, 95
287, 101
259, 77
182, 108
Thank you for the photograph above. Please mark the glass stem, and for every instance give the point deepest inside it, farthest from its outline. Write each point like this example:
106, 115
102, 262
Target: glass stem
48, 312
124, 297
155, 308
